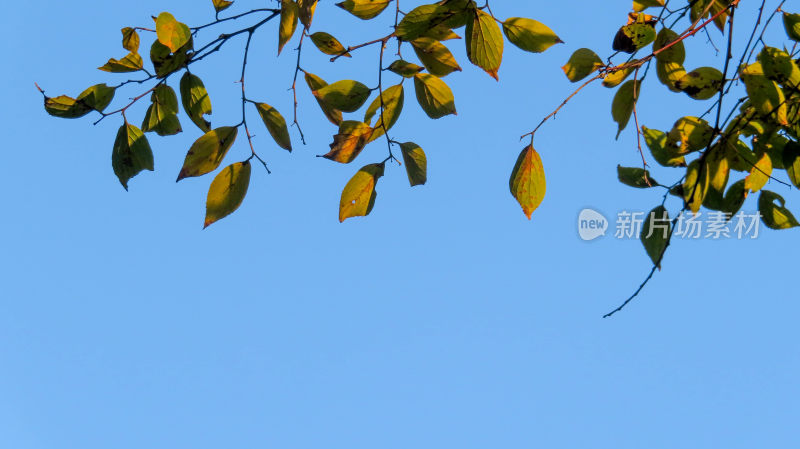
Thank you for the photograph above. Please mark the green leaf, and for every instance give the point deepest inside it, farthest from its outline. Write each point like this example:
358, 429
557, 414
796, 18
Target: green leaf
364, 9
635, 177
130, 39
484, 43
675, 53
759, 175
276, 125
358, 196
435, 56
288, 25
171, 33
765, 94
347, 144
345, 95
791, 22
416, 163
530, 35
207, 152
165, 62
227, 192
405, 69
695, 185
96, 97
393, 99
434, 96
132, 62
657, 143
131, 154
195, 100
634, 37
421, 19
734, 198
669, 73
329, 44
701, 84
689, 134
773, 215
791, 161
527, 181
780, 67
161, 116
220, 5
581, 64
315, 83
624, 103
655, 235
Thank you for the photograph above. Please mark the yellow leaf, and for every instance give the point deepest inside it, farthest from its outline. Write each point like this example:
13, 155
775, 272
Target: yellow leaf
358, 196
527, 181
227, 191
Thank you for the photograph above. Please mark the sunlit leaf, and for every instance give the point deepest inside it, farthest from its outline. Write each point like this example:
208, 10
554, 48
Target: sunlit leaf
171, 33
288, 25
435, 56
347, 144
358, 196
530, 35
657, 143
315, 83
615, 78
195, 100
581, 64
276, 125
527, 181
161, 116
328, 44
765, 94
624, 103
227, 191
434, 96
421, 19
221, 5
675, 53
404, 68
96, 97
132, 62
393, 99
759, 175
701, 84
131, 154
306, 10
689, 134
364, 9
773, 215
641, 5
633, 37
345, 95
791, 23
484, 43
208, 151
416, 163
695, 185
655, 235
130, 39
669, 73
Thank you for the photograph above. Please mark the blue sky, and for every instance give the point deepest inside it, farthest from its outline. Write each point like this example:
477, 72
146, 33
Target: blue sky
445, 319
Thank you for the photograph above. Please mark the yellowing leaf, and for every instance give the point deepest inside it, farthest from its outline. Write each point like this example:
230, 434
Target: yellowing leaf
760, 174
195, 100
416, 163
669, 73
404, 68
207, 152
227, 192
765, 94
657, 143
421, 19
276, 125
434, 96
96, 97
791, 23
623, 104
130, 40
364, 9
641, 5
132, 62
529, 34
773, 215
306, 11
347, 144
435, 56
695, 185
581, 64
288, 25
527, 181
328, 44
485, 43
655, 235
690, 134
131, 154
171, 33
633, 37
220, 5
345, 95
393, 99
358, 196
791, 161
315, 83
615, 78
701, 84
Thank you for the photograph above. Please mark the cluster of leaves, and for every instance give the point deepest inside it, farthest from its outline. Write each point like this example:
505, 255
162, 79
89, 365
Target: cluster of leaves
426, 29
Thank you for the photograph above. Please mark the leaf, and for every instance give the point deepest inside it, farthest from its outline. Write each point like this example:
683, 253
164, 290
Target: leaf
701, 84
165, 62
329, 44
276, 125
759, 175
641, 5
171, 33
689, 134
306, 10
656, 232
347, 144
195, 100
527, 181
695, 185
131, 154
581, 64
624, 103
791, 160
675, 53
734, 198
775, 216
657, 143
130, 39
393, 99
132, 62
669, 73
434, 96
345, 95
530, 35
405, 69
358, 196
416, 163
364, 9
484, 43
716, 6
221, 5
95, 98
421, 19
778, 66
635, 177
227, 192
633, 37
161, 116
765, 94
791, 23
435, 56
615, 78
288, 25
315, 83
207, 152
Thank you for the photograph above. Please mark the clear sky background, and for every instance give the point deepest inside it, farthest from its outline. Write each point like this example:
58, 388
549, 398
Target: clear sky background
443, 320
